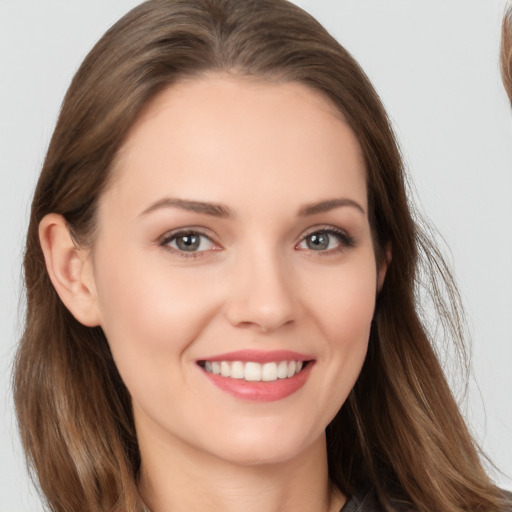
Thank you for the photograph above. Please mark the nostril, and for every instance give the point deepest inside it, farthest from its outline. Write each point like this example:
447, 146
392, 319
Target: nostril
264, 303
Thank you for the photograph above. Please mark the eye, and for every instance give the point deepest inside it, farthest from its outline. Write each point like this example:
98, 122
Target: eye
188, 242
326, 240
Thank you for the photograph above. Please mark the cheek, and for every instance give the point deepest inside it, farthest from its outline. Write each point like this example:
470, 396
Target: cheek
149, 316
344, 302
342, 305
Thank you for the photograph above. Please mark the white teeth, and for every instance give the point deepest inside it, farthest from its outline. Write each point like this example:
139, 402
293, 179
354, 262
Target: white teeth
225, 369
282, 370
254, 372
237, 370
215, 368
269, 372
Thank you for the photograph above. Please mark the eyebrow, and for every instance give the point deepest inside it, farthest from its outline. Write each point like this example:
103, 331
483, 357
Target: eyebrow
223, 212
206, 208
329, 204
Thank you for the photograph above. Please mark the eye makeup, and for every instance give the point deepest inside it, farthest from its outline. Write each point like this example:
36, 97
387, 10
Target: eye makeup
193, 242
188, 242
326, 239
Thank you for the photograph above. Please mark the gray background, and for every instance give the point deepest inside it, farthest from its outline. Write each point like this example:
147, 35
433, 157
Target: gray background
435, 65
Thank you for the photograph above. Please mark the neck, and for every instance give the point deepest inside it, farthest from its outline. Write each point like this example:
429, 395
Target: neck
183, 479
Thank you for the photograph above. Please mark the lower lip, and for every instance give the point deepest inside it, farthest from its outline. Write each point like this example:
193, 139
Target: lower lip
261, 391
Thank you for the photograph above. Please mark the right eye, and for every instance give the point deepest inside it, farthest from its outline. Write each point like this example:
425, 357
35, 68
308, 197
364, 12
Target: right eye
192, 242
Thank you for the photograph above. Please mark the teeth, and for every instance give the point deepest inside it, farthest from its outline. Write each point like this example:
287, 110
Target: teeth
282, 370
215, 368
254, 372
225, 369
269, 372
291, 368
237, 370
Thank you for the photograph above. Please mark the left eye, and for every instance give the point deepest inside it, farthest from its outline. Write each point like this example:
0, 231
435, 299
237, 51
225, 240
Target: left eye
189, 242
323, 240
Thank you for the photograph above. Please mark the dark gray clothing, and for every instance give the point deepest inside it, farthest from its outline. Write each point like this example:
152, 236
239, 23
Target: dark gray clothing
364, 500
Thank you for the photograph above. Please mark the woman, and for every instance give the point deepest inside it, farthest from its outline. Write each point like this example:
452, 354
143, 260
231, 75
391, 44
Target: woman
220, 272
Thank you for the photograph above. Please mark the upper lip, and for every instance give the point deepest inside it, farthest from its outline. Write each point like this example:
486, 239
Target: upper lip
259, 356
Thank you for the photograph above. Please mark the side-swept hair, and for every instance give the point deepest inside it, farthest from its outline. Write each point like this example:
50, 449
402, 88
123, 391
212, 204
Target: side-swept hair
506, 51
400, 428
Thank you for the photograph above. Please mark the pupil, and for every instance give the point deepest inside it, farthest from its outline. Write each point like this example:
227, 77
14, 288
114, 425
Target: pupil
318, 241
188, 242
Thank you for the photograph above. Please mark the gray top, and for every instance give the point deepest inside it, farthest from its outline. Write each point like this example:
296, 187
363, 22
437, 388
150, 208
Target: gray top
364, 500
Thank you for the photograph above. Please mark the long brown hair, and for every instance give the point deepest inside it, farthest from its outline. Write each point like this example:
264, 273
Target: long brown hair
399, 430
506, 51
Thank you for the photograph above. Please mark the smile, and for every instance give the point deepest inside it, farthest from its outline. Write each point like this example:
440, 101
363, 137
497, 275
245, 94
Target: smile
252, 371
258, 376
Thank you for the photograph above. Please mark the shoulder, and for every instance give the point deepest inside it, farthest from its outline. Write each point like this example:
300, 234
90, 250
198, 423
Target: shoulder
364, 500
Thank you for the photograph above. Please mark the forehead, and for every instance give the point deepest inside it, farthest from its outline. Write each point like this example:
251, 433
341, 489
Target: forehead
219, 136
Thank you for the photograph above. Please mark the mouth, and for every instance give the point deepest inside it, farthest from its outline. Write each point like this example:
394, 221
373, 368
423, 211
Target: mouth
252, 371
258, 376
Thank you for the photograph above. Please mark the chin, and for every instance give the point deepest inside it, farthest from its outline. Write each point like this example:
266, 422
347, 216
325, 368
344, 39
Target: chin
279, 448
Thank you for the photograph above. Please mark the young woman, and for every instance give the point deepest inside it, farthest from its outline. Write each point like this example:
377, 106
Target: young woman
221, 272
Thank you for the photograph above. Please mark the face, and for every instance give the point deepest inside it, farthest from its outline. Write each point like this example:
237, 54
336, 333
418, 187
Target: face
234, 270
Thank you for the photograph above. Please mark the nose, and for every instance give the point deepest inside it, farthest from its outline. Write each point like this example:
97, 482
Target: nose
262, 294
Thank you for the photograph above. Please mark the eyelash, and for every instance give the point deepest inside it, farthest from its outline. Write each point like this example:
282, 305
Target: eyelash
344, 239
171, 237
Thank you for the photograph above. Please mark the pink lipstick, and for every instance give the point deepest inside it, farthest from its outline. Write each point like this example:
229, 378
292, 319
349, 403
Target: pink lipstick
258, 375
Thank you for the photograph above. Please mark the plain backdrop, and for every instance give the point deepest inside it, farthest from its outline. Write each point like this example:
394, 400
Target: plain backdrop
435, 65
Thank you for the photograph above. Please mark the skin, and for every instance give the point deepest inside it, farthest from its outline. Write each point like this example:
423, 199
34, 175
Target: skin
255, 282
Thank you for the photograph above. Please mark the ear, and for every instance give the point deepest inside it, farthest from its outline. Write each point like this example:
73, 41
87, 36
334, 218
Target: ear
383, 267
70, 269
